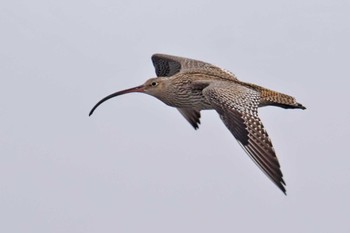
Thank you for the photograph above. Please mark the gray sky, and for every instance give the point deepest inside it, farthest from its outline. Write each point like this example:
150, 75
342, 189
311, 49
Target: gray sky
136, 165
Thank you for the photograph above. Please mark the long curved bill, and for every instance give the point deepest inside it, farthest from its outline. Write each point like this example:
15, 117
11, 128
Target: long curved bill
130, 90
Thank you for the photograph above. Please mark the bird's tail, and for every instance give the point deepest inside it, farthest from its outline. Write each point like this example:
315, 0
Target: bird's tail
269, 97
274, 98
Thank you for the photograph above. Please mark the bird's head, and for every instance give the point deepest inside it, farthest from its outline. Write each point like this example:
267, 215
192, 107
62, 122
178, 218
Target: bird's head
153, 86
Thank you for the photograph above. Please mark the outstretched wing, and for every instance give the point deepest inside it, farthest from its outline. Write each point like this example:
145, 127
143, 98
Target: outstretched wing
168, 65
237, 106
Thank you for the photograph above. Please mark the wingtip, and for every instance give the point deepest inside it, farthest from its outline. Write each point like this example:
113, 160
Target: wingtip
284, 190
281, 185
195, 125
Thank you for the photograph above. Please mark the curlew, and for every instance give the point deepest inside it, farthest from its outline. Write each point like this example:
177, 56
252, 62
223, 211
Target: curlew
191, 86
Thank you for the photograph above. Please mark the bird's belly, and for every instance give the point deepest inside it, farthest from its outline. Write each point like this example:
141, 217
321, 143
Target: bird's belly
192, 101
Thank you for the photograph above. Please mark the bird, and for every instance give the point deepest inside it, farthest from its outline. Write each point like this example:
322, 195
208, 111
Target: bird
192, 85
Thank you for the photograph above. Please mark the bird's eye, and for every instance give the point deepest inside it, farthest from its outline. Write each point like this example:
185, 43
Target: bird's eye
154, 83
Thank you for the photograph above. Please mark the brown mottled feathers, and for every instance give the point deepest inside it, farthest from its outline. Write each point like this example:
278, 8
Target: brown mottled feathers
237, 107
237, 104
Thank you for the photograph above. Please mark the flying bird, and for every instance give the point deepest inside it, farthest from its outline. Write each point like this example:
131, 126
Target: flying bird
192, 85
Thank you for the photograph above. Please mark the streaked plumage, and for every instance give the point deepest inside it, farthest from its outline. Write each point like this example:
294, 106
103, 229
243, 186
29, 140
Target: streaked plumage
191, 86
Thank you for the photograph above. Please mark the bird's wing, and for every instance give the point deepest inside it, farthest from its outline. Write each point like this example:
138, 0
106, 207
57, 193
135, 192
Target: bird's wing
191, 115
168, 65
238, 109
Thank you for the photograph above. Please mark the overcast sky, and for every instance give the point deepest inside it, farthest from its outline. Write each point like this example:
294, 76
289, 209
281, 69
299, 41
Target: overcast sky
136, 165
